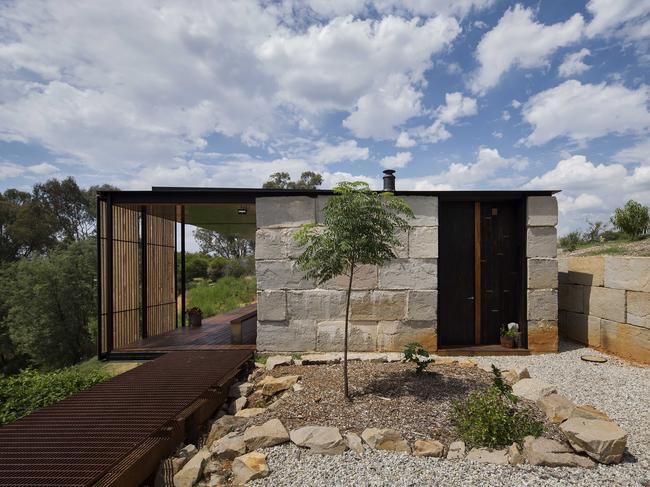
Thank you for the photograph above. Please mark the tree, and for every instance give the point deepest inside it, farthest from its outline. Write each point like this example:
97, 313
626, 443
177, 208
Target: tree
359, 228
594, 231
282, 180
633, 219
570, 241
228, 246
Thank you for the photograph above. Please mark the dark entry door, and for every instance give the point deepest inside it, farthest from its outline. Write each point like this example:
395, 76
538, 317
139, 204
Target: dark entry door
456, 274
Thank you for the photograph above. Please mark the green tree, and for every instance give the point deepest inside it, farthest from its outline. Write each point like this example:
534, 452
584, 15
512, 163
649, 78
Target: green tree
282, 180
633, 219
228, 246
359, 228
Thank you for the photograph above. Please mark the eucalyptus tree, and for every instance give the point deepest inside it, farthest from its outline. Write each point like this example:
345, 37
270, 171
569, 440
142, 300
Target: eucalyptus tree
359, 228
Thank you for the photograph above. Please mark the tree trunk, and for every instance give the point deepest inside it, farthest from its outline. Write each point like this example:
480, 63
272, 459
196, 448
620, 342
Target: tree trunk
346, 391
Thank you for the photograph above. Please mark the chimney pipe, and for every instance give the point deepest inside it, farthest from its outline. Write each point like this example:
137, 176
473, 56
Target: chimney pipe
389, 180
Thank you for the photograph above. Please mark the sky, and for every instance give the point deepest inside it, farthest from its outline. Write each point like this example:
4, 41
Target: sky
453, 94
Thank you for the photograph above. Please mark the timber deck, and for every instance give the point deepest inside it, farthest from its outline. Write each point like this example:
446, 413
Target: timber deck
116, 432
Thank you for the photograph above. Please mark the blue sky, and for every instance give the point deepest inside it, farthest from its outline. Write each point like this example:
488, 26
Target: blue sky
464, 94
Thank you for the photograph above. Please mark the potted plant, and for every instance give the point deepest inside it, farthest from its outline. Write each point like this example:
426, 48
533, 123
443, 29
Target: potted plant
509, 335
195, 315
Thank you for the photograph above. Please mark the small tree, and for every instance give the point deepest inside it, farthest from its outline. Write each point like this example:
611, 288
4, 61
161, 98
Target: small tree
633, 219
359, 228
570, 241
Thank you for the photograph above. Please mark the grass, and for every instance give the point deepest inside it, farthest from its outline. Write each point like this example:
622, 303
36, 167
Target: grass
224, 295
614, 247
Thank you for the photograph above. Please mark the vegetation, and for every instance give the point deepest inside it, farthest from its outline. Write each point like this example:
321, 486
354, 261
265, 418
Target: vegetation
570, 241
633, 219
416, 353
492, 418
221, 296
282, 180
359, 228
226, 246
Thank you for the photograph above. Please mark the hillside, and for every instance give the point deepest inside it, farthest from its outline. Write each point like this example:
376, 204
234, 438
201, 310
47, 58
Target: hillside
638, 248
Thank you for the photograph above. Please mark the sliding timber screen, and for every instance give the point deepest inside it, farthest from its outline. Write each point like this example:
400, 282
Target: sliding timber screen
160, 276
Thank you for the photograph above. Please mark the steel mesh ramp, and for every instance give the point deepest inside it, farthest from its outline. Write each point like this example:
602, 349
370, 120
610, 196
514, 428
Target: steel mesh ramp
116, 432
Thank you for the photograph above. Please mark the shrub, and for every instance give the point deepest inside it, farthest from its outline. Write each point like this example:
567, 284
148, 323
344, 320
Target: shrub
414, 352
633, 219
31, 390
491, 418
570, 241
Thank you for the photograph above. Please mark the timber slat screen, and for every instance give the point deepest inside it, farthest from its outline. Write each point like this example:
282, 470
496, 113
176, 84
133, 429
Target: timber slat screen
137, 273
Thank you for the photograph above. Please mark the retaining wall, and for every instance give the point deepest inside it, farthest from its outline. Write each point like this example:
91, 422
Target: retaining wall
604, 302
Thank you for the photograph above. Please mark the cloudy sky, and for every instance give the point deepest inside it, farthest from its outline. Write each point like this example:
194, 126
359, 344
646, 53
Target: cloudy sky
454, 94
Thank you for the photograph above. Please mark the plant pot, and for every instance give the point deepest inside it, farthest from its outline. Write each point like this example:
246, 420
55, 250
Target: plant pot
508, 342
195, 320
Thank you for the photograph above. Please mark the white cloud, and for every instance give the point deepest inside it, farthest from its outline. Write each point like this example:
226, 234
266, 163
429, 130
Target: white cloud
519, 41
43, 169
505, 115
578, 173
399, 160
404, 141
583, 112
637, 153
348, 150
627, 18
574, 63
423, 8
10, 170
497, 135
515, 104
456, 106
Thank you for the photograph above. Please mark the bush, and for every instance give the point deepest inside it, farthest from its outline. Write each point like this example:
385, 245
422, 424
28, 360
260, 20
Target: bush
491, 418
414, 352
570, 241
224, 295
633, 219
217, 268
31, 390
196, 266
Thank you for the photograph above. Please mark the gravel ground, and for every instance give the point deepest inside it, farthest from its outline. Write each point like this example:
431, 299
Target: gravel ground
618, 388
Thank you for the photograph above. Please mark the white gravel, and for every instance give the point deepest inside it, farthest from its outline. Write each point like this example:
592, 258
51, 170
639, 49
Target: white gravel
620, 389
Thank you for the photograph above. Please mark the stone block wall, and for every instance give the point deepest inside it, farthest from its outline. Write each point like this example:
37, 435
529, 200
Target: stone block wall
605, 303
390, 306
542, 273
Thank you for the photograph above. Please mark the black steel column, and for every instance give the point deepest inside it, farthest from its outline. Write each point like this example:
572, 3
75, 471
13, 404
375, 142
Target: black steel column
109, 274
183, 311
175, 267
143, 278
98, 233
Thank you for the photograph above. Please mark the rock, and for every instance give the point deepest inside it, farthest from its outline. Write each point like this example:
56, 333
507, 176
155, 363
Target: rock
515, 457
230, 446
249, 412
276, 360
467, 364
321, 358
237, 405
257, 400
550, 453
587, 411
394, 357
515, 375
428, 448
190, 473
485, 455
240, 389
556, 407
444, 361
604, 441
532, 389
319, 439
298, 387
353, 442
270, 433
385, 439
249, 467
222, 426
456, 450
183, 456
272, 385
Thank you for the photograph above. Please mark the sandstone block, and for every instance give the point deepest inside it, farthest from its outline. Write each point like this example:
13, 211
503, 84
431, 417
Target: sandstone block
542, 273
325, 440
402, 250
285, 211
237, 405
588, 271
582, 328
485, 455
409, 274
533, 389
425, 209
587, 411
268, 434
241, 389
230, 446
423, 242
542, 304
571, 298
378, 305
625, 340
353, 442
515, 374
272, 243
280, 274
428, 448
422, 305
515, 455
295, 336
393, 336
271, 305
605, 303
249, 412
192, 470
276, 360
272, 385
638, 308
385, 439
541, 242
556, 407
542, 336
563, 269
456, 450
365, 277
541, 211
604, 441
318, 304
362, 336
321, 201
631, 273
550, 453
249, 467
222, 426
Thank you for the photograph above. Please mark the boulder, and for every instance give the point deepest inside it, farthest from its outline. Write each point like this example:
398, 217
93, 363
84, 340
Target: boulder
604, 441
275, 360
515, 374
191, 472
298, 387
237, 405
227, 448
183, 456
321, 358
515, 456
428, 448
456, 450
485, 455
587, 411
240, 389
249, 467
272, 385
556, 407
270, 433
353, 442
550, 453
385, 439
250, 412
319, 439
532, 389
257, 400
222, 426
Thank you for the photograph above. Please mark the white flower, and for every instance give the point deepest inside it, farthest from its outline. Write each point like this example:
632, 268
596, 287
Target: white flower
513, 326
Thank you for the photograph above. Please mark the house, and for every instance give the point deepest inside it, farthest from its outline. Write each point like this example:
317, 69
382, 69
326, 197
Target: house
472, 262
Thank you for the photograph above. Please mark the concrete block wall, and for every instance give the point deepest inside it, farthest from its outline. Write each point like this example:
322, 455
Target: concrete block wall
542, 273
390, 306
605, 303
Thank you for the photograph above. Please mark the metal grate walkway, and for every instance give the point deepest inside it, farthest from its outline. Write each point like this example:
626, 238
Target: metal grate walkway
116, 432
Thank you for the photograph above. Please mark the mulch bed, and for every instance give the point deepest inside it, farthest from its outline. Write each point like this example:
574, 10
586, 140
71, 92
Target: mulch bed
384, 395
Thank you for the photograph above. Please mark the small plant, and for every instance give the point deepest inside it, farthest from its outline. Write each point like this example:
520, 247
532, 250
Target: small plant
296, 356
414, 352
511, 330
261, 359
502, 386
570, 241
